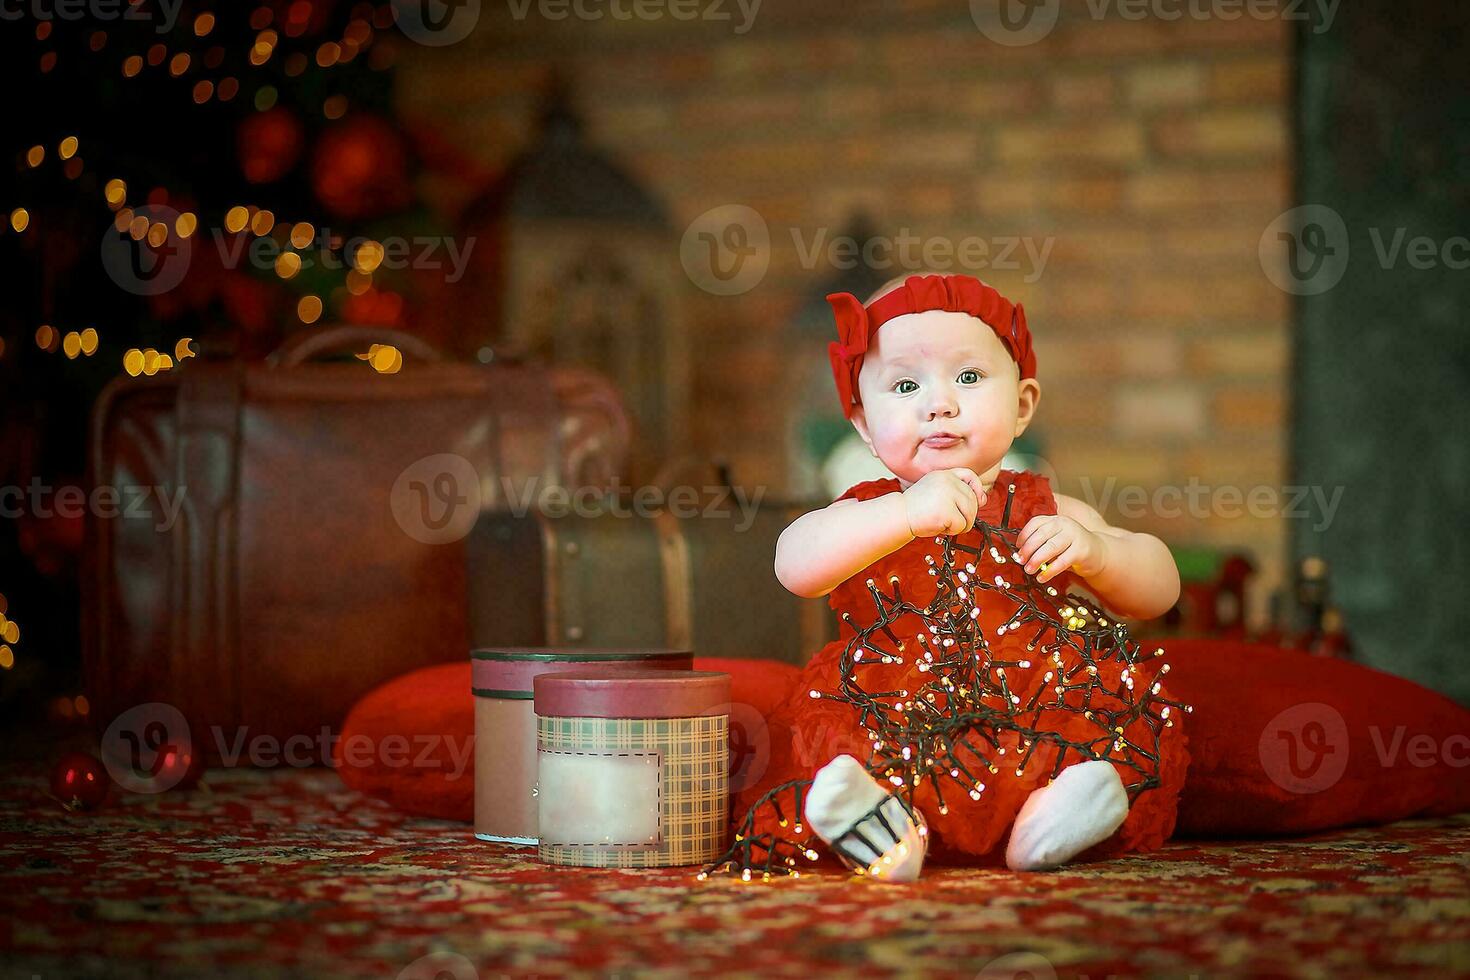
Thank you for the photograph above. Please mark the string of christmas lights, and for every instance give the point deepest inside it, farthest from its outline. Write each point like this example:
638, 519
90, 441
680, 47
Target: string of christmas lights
768, 854
949, 729
9, 634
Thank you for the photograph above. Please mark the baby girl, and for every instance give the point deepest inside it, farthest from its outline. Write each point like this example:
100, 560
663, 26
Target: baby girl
937, 375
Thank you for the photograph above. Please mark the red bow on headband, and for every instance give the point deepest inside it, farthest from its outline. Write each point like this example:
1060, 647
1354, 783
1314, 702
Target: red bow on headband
960, 294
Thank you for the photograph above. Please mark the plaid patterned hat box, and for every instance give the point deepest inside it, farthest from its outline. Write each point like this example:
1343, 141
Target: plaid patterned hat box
632, 767
505, 726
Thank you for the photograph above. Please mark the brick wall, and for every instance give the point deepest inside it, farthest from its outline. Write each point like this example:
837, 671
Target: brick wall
1152, 153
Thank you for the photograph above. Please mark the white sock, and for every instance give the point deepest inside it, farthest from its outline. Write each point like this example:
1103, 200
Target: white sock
1081, 807
840, 795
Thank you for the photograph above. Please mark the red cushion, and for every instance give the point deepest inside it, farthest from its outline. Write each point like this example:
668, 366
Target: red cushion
1282, 742
433, 712
1370, 747
431, 707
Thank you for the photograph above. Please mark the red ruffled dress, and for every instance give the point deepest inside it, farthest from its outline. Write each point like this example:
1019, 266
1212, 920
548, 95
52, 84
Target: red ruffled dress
807, 733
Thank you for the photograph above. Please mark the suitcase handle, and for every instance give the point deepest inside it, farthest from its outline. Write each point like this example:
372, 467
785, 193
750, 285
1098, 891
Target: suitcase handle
307, 345
684, 468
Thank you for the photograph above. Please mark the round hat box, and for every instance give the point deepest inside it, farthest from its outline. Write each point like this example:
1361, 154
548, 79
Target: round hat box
505, 726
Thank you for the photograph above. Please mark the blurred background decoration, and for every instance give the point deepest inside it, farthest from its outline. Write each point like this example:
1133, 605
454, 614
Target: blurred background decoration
824, 455
554, 165
572, 266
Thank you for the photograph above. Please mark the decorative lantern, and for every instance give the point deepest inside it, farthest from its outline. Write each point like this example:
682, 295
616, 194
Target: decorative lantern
573, 265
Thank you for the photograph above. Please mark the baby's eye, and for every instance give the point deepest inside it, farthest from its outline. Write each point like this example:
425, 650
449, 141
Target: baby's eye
969, 376
899, 387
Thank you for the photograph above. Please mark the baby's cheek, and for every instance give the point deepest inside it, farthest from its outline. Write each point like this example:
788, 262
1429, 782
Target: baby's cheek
997, 422
997, 429
895, 441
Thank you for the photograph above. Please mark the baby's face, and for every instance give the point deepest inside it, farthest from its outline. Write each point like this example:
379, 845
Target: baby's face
939, 390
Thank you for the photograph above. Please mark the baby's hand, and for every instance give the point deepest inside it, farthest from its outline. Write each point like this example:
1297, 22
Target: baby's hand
1053, 543
944, 502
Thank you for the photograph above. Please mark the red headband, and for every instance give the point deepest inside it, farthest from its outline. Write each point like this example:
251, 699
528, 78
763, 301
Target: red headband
959, 294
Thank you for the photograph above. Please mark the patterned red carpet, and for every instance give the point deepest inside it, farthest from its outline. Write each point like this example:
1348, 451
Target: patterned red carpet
288, 874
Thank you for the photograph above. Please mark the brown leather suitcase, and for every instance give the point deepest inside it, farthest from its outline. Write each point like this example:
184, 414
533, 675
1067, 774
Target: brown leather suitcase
296, 534
700, 582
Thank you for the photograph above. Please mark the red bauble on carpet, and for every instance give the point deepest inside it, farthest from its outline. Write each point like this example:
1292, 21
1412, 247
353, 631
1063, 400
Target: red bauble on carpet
80, 782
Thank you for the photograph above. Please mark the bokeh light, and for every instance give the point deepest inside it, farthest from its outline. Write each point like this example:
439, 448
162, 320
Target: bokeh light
309, 308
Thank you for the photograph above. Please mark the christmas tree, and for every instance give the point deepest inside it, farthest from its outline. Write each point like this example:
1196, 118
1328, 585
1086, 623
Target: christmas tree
186, 180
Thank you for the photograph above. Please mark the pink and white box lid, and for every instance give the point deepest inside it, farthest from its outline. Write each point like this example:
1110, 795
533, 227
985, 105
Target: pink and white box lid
507, 672
631, 693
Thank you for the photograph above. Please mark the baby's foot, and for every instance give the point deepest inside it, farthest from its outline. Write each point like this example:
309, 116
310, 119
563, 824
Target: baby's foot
1081, 807
849, 807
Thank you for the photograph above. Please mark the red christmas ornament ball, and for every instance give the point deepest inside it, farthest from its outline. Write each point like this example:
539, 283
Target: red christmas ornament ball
360, 169
301, 18
269, 144
80, 782
374, 308
179, 768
